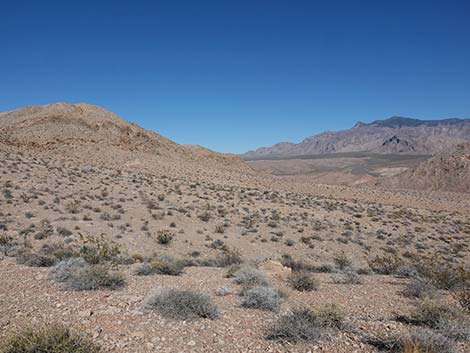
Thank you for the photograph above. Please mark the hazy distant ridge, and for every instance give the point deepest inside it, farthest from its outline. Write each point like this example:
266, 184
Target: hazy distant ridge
392, 135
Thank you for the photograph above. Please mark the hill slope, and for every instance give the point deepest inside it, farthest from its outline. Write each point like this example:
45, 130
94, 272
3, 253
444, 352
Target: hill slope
393, 135
448, 171
95, 135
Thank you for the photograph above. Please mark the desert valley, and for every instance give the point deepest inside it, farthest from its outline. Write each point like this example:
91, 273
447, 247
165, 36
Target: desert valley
116, 239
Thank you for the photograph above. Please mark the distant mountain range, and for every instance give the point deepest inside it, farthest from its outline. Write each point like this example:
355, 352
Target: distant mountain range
393, 135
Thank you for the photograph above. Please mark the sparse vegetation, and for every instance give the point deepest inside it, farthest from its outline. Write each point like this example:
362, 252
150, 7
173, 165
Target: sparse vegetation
261, 297
94, 277
181, 304
303, 281
248, 276
48, 338
305, 325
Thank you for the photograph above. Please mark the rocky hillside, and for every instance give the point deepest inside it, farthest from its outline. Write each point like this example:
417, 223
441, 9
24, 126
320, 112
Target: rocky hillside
448, 171
95, 135
393, 135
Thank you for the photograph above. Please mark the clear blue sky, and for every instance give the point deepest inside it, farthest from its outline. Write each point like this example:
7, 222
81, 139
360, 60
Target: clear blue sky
234, 75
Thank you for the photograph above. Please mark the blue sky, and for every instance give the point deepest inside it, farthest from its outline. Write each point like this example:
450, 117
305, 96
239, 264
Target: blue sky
236, 75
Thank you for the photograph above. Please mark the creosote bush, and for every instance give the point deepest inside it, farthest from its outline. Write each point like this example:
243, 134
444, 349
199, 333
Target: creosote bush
303, 281
181, 304
51, 338
385, 264
167, 265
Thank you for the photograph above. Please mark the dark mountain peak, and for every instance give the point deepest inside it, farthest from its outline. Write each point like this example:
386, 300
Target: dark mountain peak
397, 121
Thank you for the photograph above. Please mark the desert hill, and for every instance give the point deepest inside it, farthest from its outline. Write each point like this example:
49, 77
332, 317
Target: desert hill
93, 134
393, 135
447, 171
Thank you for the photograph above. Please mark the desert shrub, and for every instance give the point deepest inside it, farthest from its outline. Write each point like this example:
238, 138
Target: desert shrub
444, 275
73, 207
232, 270
35, 260
51, 338
229, 257
122, 259
56, 250
44, 231
293, 264
144, 269
300, 325
97, 249
264, 298
407, 271
342, 261
219, 228
347, 276
325, 268
205, 216
223, 291
64, 269
181, 304
462, 296
426, 341
249, 276
418, 288
6, 244
457, 329
94, 277
330, 315
167, 265
432, 312
385, 264
306, 325
303, 281
64, 232
164, 237
420, 340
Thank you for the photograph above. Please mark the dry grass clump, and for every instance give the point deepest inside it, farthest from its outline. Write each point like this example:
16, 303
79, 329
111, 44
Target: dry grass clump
306, 325
418, 288
422, 340
261, 297
462, 296
426, 341
347, 276
431, 313
64, 269
181, 304
48, 339
77, 274
95, 277
248, 276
